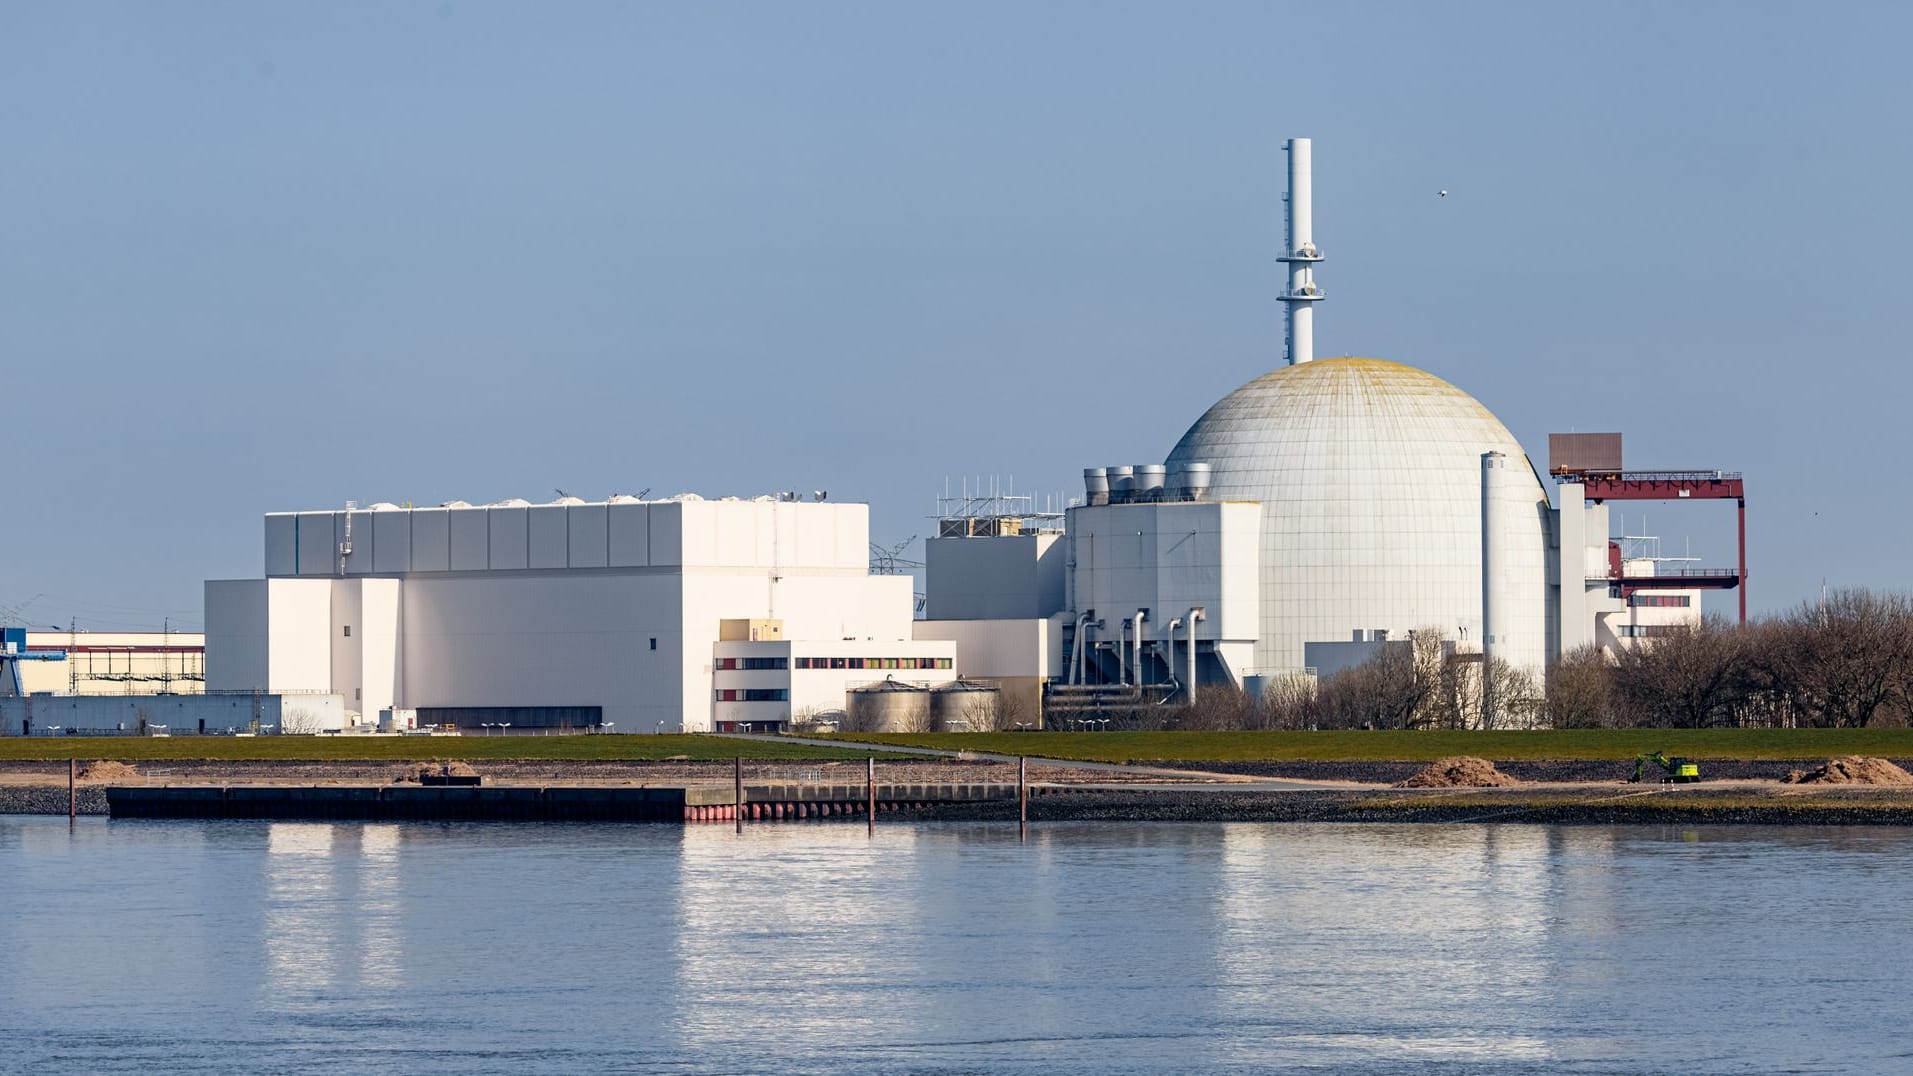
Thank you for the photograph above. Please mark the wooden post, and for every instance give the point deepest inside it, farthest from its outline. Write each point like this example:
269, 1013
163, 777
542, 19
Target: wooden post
737, 792
72, 791
1023, 797
870, 792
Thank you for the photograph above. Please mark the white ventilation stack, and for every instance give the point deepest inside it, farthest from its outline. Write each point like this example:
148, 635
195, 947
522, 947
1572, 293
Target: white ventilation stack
1302, 255
1499, 494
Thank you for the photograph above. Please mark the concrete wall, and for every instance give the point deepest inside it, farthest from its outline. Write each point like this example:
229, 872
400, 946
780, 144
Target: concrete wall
1167, 558
386, 539
178, 713
1015, 577
615, 605
556, 639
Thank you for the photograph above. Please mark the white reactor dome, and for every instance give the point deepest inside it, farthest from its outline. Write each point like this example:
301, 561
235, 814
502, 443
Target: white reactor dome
1370, 477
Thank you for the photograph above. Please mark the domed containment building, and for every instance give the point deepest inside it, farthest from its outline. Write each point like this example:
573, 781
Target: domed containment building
1308, 521
1369, 477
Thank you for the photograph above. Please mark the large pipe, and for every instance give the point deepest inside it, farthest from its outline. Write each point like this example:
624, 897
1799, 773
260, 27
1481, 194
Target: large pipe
1122, 653
1169, 648
1095, 485
1076, 656
1195, 614
1302, 255
1495, 619
1136, 641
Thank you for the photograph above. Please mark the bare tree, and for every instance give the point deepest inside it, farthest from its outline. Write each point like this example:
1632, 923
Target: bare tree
1013, 712
1843, 662
1580, 692
1219, 708
1691, 677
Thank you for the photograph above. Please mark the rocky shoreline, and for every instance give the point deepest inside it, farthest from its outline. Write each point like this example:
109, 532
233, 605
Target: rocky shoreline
1601, 805
1561, 792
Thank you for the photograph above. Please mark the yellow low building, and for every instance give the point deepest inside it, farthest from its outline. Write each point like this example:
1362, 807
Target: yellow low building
117, 663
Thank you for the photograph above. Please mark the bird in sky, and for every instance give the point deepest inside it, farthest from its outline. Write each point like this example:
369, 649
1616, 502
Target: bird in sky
1444, 194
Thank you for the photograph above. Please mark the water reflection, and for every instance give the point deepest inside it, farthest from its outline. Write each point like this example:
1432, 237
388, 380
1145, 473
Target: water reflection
1092, 948
378, 908
302, 909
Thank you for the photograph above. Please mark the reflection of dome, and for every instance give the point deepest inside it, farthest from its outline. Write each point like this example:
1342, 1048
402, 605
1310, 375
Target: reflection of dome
1369, 474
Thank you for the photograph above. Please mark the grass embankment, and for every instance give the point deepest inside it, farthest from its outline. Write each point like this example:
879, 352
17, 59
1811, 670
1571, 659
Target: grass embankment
404, 748
1573, 744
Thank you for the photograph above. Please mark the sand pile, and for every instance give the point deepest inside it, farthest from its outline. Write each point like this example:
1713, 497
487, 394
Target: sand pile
1852, 770
1463, 772
108, 771
412, 774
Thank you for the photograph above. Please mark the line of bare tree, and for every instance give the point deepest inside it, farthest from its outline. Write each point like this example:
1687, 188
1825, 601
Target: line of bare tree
1844, 662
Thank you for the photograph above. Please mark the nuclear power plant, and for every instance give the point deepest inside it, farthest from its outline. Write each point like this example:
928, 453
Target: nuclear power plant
1306, 522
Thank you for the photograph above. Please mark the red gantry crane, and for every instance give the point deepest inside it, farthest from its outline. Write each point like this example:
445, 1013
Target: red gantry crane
1594, 461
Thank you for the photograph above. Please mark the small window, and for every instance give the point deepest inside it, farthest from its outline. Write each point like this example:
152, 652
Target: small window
654, 643
348, 631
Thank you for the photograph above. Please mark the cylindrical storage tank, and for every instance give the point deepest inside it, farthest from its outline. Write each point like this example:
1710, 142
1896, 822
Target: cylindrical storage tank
1096, 485
1192, 481
1122, 485
889, 706
1150, 480
965, 706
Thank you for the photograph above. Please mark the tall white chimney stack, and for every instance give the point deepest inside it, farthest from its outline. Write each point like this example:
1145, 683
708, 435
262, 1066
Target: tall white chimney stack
1302, 255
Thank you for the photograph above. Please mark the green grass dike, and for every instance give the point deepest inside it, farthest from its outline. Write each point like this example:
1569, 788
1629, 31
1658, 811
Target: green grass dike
618, 748
1536, 746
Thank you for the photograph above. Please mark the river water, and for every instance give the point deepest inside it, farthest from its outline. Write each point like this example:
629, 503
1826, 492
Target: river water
951, 948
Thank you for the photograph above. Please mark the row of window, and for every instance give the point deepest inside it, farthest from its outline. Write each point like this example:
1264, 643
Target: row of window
1647, 631
753, 663
753, 694
876, 663
1661, 601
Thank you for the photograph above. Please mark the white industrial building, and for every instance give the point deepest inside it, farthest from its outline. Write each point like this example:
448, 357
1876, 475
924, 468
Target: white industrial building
1302, 523
569, 614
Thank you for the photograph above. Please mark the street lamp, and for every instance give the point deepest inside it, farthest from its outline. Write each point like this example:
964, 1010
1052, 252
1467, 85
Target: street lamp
660, 728
607, 725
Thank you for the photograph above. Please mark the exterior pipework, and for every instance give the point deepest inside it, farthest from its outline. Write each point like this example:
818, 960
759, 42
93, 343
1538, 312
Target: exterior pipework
1151, 478
1193, 481
1136, 641
1169, 647
1096, 485
1195, 614
1302, 255
1496, 617
1076, 657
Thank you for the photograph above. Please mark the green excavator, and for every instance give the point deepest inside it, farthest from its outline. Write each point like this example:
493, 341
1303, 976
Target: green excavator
1678, 771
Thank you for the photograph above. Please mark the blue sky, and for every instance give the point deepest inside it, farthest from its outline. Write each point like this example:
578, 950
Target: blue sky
259, 257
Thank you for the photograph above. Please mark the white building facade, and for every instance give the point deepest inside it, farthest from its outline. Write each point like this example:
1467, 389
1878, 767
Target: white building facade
567, 614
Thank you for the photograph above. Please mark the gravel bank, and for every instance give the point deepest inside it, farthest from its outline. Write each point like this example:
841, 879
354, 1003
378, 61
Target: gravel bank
1610, 772
47, 799
1593, 806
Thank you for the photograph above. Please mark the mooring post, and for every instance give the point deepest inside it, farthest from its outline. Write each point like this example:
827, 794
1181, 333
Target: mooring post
870, 792
72, 791
737, 793
1023, 797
